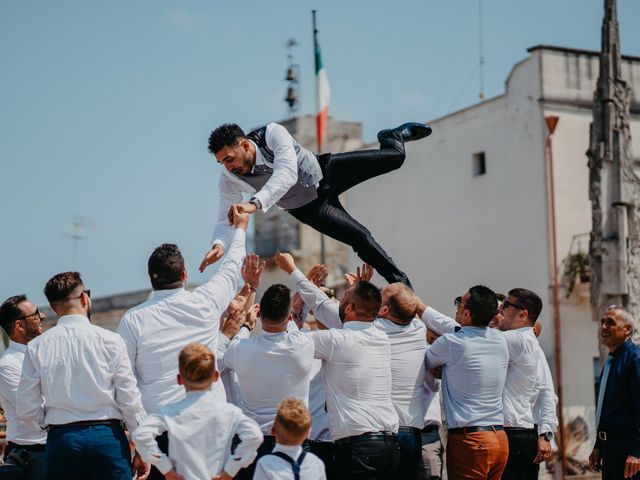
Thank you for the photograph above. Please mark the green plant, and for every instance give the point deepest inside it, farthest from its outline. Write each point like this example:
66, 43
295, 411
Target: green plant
576, 265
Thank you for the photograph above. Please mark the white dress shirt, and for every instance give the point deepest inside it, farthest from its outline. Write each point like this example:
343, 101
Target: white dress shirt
357, 363
200, 430
10, 371
325, 310
83, 372
545, 399
157, 330
522, 374
318, 404
270, 368
228, 377
408, 347
475, 362
434, 412
285, 175
272, 467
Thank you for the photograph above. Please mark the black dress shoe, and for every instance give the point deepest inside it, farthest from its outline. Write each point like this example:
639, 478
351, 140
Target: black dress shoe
407, 132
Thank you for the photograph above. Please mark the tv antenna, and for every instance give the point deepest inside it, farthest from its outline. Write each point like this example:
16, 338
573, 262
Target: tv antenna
79, 225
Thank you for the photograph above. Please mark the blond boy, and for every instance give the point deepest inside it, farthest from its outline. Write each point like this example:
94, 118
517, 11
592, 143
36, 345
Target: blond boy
288, 461
200, 427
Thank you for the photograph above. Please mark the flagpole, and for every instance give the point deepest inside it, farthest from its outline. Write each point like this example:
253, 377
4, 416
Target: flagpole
315, 56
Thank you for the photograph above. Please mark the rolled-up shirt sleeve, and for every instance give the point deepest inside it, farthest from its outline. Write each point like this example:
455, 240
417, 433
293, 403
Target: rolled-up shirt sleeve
285, 167
30, 408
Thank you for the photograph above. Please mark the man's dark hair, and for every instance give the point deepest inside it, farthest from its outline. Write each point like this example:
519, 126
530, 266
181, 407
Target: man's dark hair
226, 135
483, 305
366, 298
529, 300
60, 286
165, 267
10, 312
275, 304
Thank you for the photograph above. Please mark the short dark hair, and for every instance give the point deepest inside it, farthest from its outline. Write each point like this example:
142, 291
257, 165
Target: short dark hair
60, 286
225, 135
483, 305
529, 300
165, 267
367, 299
275, 303
10, 312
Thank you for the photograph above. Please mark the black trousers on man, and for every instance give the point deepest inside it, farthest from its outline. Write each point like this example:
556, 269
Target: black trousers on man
341, 171
367, 457
523, 449
614, 451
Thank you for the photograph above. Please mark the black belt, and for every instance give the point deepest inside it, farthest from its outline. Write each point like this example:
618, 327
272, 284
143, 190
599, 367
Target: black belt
87, 423
431, 428
484, 428
36, 447
613, 435
413, 430
367, 436
533, 431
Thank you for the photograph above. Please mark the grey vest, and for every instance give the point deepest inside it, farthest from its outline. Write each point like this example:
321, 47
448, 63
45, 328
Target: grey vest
309, 172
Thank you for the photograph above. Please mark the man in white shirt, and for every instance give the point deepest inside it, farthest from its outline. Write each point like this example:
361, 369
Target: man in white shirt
77, 381
357, 366
271, 366
22, 321
201, 429
156, 330
475, 361
272, 166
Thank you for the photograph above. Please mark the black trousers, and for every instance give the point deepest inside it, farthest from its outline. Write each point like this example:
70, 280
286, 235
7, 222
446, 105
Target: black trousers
341, 171
325, 451
368, 459
615, 451
163, 445
523, 448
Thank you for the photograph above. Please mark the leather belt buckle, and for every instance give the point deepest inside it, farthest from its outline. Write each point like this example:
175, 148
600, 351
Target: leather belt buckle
602, 436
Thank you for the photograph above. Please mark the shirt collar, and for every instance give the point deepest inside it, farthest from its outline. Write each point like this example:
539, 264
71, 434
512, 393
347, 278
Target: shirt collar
357, 325
73, 319
293, 451
18, 347
160, 294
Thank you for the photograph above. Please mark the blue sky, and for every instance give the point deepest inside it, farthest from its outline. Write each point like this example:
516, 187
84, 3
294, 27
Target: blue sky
106, 106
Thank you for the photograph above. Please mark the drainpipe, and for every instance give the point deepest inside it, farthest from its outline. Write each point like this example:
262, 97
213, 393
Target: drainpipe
552, 122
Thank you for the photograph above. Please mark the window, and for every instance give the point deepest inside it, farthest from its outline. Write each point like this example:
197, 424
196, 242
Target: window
479, 164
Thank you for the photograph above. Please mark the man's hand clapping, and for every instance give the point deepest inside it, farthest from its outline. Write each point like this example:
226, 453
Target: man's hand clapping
363, 274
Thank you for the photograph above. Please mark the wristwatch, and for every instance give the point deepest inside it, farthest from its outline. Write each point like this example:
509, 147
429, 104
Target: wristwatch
246, 325
256, 202
547, 436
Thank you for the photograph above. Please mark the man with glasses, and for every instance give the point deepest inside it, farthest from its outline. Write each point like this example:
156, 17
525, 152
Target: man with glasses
529, 398
78, 383
24, 451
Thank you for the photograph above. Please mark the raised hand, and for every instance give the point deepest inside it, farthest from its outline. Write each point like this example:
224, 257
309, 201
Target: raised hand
241, 208
318, 274
239, 303
285, 262
252, 315
233, 323
240, 217
252, 269
361, 274
212, 256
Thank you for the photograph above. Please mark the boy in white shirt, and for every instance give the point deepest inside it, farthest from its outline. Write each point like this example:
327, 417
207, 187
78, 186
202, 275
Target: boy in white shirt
200, 427
288, 461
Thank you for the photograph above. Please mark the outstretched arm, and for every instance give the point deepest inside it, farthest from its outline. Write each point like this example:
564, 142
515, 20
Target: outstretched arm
229, 193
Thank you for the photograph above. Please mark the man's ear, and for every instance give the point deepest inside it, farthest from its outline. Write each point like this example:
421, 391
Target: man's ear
179, 379
183, 276
216, 376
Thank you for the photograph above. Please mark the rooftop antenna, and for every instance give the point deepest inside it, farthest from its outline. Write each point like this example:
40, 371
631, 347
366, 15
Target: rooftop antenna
481, 47
292, 77
78, 232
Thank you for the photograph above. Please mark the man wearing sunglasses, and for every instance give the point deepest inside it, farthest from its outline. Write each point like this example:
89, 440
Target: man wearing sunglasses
77, 383
529, 398
24, 451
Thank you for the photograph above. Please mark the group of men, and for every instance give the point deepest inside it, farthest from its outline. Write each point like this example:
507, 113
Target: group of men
373, 374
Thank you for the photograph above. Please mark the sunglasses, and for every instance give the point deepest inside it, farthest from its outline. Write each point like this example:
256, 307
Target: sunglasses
36, 313
458, 301
507, 304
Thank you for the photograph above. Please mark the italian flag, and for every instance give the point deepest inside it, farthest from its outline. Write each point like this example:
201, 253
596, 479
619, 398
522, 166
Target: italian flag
323, 95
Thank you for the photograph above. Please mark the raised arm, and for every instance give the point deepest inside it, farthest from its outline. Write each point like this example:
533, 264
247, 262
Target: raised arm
436, 321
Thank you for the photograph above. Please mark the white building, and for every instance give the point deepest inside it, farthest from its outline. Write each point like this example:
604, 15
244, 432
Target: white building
471, 203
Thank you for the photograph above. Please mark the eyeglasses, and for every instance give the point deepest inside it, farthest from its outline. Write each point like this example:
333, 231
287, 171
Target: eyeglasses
37, 313
458, 301
507, 304
88, 292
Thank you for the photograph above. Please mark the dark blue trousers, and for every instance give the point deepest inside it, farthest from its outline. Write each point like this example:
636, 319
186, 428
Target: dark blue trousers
614, 455
410, 443
35, 469
96, 452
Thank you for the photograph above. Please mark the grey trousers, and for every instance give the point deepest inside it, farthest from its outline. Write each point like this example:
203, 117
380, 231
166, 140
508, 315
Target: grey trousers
432, 452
